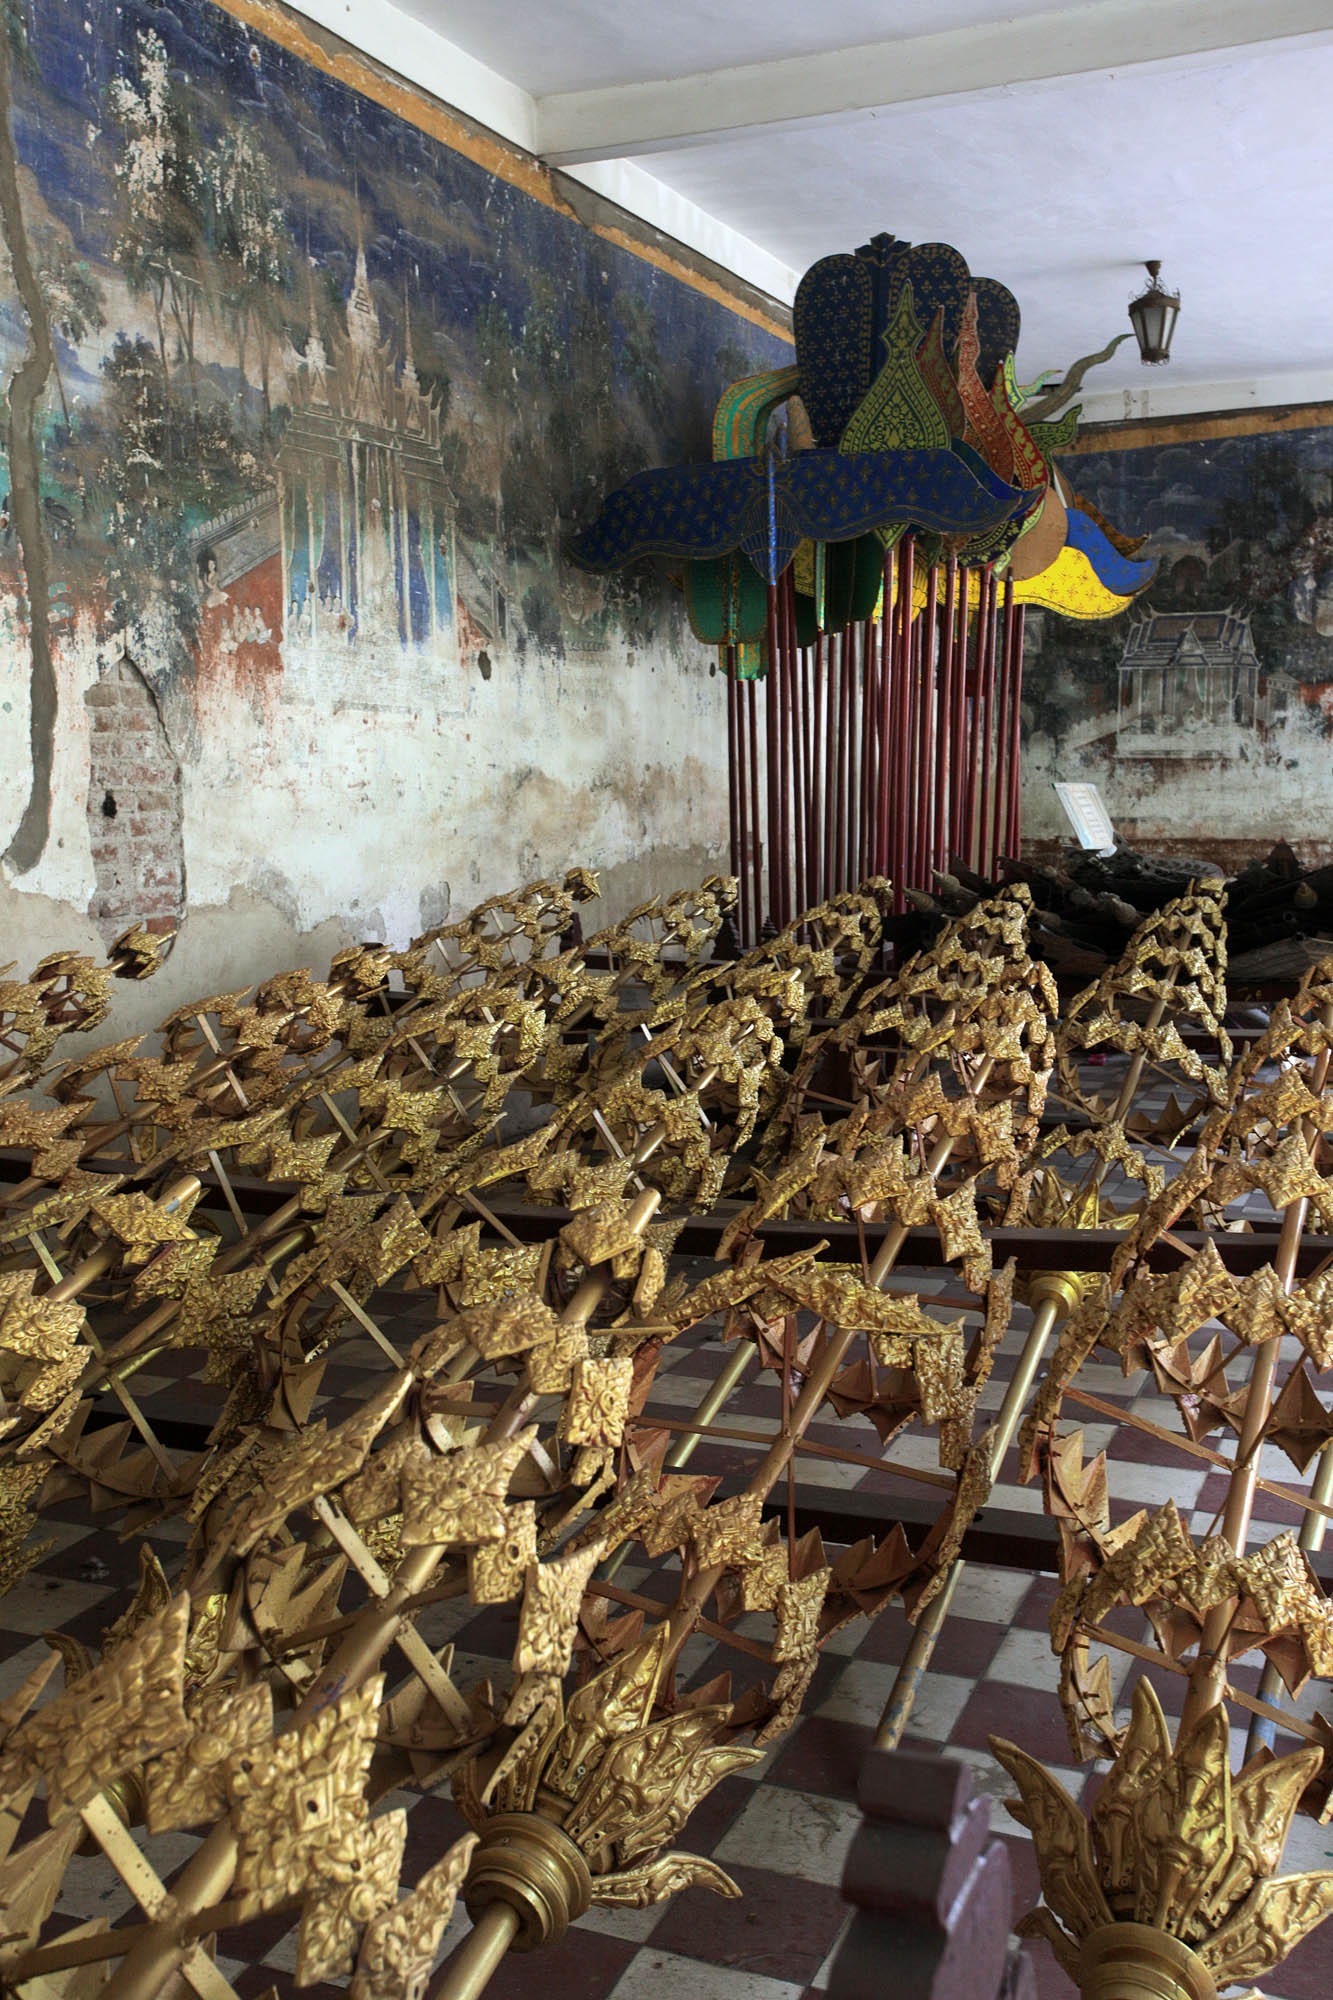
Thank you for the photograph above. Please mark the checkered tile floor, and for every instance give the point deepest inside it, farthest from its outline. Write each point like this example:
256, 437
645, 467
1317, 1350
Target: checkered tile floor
783, 1828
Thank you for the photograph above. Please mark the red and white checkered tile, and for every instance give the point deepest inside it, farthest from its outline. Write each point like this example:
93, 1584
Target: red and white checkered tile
782, 1829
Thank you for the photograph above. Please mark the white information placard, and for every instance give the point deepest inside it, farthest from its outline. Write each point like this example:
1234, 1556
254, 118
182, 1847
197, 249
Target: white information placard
1088, 817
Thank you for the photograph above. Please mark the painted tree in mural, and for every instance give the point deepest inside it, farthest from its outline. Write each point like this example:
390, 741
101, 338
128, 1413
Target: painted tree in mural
202, 240
254, 250
161, 245
26, 389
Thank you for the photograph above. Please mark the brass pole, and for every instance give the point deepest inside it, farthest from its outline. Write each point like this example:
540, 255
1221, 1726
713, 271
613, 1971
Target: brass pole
1056, 1293
1050, 1309
469, 1969
1127, 1961
1134, 1074
1208, 1680
1311, 1538
682, 1451
1314, 1527
92, 1267
207, 1876
807, 1405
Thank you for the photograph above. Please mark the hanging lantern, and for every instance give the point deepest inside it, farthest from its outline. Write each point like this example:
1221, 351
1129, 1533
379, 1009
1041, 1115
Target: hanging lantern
1153, 317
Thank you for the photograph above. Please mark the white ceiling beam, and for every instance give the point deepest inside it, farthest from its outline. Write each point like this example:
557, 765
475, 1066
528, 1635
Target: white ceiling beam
421, 55
627, 121
1140, 402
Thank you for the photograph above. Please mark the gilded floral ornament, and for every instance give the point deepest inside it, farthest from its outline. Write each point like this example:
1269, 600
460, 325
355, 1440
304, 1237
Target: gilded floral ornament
497, 1570
729, 1532
549, 1618
1176, 1845
597, 1405
19, 1486
30, 1882
594, 1790
184, 1785
798, 1605
312, 1463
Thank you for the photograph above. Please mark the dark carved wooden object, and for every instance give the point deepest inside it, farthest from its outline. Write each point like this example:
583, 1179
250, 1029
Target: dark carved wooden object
931, 1889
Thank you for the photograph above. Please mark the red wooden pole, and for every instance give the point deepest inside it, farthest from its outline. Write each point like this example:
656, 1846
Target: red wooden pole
733, 804
849, 757
885, 709
940, 845
967, 846
825, 654
907, 755
914, 773
790, 758
927, 780
881, 716
800, 757
741, 779
756, 844
989, 771
867, 734
1015, 835
847, 649
985, 730
793, 830
773, 760
917, 772
902, 723
812, 664
889, 721
1003, 727
958, 785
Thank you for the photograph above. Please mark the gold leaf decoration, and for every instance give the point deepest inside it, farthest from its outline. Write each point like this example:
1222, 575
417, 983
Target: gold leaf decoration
655, 1881
461, 1497
400, 1946
497, 1570
549, 1617
299, 1813
128, 1709
336, 1913
184, 1785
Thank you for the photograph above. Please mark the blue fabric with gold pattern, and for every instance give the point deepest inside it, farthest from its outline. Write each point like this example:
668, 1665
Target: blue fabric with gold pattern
1119, 573
844, 303
767, 506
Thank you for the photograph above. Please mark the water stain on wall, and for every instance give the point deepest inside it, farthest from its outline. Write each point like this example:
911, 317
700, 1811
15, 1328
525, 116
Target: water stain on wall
302, 403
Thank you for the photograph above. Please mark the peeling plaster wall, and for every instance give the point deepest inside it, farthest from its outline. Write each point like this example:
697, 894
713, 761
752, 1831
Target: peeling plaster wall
303, 487
1205, 713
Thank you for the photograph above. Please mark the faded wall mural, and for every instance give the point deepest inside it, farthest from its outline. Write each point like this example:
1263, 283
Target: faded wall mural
1205, 713
300, 402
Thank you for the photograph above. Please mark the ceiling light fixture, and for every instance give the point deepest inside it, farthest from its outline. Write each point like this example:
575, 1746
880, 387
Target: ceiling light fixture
1153, 317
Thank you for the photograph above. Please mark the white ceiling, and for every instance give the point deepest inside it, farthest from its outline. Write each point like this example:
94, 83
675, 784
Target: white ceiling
596, 44
1056, 147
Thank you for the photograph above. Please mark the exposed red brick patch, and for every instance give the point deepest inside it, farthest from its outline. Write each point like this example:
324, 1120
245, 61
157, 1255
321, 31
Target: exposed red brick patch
134, 808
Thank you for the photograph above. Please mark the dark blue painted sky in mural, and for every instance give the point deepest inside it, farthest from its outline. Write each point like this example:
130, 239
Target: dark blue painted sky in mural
459, 236
1235, 522
562, 363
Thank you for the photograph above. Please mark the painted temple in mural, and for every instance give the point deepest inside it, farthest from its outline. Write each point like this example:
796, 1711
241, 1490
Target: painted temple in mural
357, 546
1182, 670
